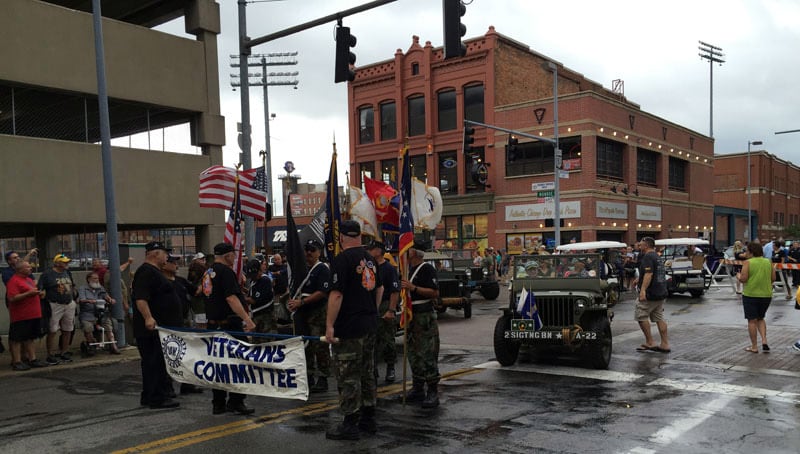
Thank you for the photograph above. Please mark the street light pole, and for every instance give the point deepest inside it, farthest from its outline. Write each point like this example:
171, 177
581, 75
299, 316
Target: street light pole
714, 55
749, 195
556, 160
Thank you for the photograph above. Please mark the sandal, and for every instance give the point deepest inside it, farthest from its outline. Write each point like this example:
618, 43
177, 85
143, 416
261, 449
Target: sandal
751, 350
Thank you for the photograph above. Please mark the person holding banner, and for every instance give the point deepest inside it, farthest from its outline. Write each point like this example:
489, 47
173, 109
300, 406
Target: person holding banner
155, 303
350, 328
423, 330
310, 313
225, 311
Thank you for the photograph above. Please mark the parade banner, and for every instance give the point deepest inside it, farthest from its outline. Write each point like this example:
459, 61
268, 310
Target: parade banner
217, 360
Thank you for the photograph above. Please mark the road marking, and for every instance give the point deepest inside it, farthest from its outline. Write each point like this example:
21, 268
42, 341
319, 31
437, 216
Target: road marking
605, 375
224, 430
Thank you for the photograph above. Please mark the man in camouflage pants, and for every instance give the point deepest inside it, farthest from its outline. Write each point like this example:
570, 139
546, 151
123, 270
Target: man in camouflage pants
423, 330
387, 325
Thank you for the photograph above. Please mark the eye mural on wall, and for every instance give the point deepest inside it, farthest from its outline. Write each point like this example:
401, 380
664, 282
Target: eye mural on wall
449, 163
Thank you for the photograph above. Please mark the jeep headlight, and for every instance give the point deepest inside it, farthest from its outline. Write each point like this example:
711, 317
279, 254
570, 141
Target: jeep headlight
485, 272
580, 303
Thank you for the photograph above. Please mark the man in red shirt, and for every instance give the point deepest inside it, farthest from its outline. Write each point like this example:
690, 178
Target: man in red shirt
25, 310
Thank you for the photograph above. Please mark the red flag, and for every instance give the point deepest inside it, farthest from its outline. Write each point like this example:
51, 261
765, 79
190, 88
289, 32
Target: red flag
406, 239
233, 230
217, 190
381, 195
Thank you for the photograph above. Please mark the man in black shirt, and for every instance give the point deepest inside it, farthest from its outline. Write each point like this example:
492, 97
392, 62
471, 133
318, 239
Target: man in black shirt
279, 272
351, 324
652, 293
259, 297
387, 327
156, 303
311, 313
225, 308
423, 330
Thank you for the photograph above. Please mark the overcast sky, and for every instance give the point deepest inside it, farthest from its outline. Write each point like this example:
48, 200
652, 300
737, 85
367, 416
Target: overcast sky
650, 45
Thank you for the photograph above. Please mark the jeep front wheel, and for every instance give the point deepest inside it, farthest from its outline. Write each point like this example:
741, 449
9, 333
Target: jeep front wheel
597, 353
506, 351
467, 308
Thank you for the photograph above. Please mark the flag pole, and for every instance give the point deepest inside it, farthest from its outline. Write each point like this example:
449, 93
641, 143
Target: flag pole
407, 299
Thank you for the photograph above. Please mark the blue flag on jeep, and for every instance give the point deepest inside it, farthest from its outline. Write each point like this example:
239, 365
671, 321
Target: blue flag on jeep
528, 309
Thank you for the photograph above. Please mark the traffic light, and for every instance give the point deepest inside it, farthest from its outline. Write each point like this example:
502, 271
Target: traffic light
344, 58
452, 10
512, 148
469, 139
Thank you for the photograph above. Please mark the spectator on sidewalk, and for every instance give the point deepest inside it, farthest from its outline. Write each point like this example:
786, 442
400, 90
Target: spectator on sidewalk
739, 255
779, 257
757, 275
12, 258
794, 259
60, 293
120, 311
100, 269
94, 303
25, 310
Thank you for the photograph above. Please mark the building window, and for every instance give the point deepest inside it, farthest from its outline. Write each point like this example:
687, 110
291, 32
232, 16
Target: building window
388, 121
677, 174
366, 169
609, 159
366, 120
646, 167
414, 69
532, 158
473, 103
447, 110
463, 232
448, 172
476, 171
419, 167
389, 171
416, 115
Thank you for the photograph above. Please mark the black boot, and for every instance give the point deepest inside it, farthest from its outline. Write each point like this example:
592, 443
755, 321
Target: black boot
347, 430
432, 398
367, 422
320, 386
417, 393
390, 377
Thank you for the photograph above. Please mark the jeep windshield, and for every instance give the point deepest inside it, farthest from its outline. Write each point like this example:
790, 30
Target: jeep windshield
570, 266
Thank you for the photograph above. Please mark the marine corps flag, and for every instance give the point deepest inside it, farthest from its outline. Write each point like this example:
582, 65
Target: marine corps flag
332, 214
381, 195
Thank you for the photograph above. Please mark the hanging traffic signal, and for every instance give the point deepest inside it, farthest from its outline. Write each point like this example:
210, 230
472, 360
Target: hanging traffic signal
452, 10
469, 139
344, 58
511, 148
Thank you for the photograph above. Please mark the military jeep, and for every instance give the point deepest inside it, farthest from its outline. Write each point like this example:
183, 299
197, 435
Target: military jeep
566, 313
452, 290
475, 278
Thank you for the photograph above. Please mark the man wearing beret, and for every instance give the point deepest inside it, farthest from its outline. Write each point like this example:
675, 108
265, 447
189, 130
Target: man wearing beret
310, 308
225, 305
155, 303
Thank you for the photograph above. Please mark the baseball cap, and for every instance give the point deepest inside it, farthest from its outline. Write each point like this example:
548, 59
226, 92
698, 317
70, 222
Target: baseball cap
199, 256
61, 258
156, 245
376, 245
252, 266
312, 244
350, 228
173, 258
421, 245
223, 248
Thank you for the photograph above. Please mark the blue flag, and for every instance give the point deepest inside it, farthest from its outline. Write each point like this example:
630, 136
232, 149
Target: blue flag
528, 309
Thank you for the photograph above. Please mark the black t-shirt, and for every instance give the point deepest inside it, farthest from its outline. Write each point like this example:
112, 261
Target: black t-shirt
59, 287
354, 273
280, 278
426, 278
652, 263
223, 284
184, 289
261, 292
149, 284
391, 283
779, 256
319, 279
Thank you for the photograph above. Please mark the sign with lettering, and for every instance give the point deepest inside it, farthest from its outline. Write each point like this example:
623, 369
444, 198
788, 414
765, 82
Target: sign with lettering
215, 359
539, 211
546, 186
611, 210
648, 213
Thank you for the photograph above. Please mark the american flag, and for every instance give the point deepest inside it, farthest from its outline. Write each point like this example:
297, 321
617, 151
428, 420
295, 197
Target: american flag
217, 190
233, 231
406, 239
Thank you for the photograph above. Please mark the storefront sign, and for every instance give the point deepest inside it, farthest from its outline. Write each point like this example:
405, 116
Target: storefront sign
648, 213
611, 210
539, 211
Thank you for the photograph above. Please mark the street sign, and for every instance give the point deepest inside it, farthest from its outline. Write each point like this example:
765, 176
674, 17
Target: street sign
546, 186
543, 194
563, 174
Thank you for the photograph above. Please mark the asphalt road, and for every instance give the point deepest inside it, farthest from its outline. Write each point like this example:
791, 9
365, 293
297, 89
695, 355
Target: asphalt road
708, 395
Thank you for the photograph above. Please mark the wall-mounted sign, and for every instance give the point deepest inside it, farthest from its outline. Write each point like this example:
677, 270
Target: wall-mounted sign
546, 186
539, 211
449, 163
648, 213
611, 210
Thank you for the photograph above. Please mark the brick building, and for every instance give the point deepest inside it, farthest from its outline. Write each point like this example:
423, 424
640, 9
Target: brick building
630, 173
774, 196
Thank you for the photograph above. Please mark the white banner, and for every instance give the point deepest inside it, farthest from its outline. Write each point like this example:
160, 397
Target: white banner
218, 360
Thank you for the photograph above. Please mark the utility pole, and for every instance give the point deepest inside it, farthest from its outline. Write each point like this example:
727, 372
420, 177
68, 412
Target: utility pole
714, 55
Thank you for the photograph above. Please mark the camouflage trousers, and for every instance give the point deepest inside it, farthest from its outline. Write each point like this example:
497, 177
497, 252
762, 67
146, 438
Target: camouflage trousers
385, 348
265, 323
318, 355
354, 364
423, 347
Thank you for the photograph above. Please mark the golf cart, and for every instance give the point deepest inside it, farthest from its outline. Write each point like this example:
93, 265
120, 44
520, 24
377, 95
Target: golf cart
556, 306
609, 252
684, 271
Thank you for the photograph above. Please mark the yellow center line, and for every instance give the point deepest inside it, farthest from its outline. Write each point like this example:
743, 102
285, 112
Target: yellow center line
224, 430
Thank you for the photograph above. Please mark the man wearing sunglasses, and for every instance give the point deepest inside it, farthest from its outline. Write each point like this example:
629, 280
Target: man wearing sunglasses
60, 293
